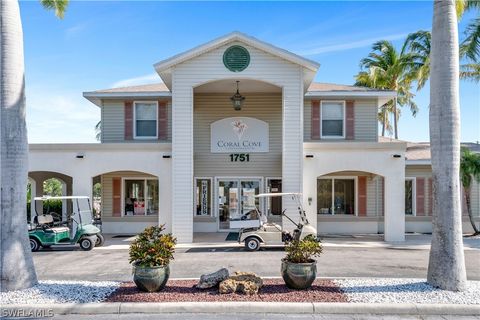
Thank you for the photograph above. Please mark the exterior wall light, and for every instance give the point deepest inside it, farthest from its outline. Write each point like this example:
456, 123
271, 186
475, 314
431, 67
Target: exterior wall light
166, 156
310, 201
237, 100
309, 156
396, 156
80, 156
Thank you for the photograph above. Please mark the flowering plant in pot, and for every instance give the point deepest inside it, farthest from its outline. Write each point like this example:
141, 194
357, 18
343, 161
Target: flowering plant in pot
299, 269
150, 255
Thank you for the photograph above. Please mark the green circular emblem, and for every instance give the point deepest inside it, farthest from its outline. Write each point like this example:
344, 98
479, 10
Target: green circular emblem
236, 58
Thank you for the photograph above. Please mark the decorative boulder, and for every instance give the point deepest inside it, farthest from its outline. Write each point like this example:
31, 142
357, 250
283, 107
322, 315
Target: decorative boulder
211, 280
241, 282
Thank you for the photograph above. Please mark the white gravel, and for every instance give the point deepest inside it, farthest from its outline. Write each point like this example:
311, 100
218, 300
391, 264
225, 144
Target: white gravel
385, 290
61, 292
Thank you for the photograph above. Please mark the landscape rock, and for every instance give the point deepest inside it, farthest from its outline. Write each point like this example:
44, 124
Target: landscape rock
241, 282
211, 280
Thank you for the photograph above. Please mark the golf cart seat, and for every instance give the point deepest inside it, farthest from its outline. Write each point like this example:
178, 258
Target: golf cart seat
45, 222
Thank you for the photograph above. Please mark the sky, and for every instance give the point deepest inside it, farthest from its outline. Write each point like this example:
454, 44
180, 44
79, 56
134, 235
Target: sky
100, 45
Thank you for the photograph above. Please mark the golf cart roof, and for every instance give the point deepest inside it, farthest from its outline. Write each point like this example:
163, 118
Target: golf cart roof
278, 194
60, 198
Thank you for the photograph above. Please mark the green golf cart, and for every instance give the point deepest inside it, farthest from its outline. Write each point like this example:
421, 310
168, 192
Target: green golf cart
46, 231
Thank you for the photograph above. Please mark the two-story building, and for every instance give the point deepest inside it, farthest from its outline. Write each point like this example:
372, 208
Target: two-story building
233, 118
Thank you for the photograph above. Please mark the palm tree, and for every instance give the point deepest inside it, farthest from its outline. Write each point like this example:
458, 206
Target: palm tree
98, 131
469, 170
446, 268
394, 71
16, 266
419, 45
470, 47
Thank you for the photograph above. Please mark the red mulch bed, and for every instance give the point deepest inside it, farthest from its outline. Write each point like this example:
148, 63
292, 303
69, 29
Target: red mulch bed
273, 290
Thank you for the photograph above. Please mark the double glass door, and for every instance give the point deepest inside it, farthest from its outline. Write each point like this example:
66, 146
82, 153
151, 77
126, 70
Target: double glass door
237, 204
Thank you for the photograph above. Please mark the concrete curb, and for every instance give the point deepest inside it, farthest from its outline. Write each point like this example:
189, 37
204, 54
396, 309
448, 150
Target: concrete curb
246, 307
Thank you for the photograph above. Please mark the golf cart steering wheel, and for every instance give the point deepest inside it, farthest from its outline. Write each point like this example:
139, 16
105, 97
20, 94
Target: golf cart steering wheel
57, 218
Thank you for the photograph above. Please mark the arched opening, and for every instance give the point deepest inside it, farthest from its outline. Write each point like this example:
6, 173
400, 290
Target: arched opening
237, 153
127, 201
350, 202
48, 183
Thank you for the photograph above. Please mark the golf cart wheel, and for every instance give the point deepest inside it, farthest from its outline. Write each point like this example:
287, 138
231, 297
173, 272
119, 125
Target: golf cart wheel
34, 244
252, 244
86, 244
100, 240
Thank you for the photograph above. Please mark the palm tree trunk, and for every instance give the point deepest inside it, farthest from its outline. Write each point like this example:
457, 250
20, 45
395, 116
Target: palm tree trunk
469, 210
446, 268
16, 266
395, 117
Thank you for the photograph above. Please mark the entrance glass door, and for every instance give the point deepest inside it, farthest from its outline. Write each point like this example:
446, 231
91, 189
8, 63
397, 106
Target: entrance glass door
237, 203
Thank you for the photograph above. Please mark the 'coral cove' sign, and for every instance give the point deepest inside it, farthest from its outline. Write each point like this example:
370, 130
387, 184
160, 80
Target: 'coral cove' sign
239, 134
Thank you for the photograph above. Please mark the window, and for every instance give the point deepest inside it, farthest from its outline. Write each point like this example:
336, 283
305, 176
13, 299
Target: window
203, 196
146, 120
333, 116
336, 196
410, 196
140, 197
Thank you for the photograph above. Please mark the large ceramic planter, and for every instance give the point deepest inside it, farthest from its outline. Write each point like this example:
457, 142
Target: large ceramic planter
299, 275
150, 279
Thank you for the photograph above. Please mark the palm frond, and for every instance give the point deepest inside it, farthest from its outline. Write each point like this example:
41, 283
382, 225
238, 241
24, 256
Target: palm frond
470, 47
470, 71
60, 6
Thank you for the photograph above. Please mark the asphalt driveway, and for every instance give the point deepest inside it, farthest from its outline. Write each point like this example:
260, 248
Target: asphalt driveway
341, 258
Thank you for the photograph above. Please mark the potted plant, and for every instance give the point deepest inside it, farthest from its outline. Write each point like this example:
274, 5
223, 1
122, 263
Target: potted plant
299, 269
150, 255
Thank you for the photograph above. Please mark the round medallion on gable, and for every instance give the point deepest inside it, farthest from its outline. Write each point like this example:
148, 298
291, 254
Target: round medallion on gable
236, 58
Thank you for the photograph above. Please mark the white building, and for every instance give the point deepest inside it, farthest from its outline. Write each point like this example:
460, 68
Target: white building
179, 153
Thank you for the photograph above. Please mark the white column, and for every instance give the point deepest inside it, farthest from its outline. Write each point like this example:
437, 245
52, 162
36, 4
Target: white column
82, 186
395, 207
33, 194
310, 190
165, 194
64, 202
182, 162
292, 148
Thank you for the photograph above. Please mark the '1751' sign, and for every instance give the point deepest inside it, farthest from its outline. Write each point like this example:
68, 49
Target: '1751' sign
239, 134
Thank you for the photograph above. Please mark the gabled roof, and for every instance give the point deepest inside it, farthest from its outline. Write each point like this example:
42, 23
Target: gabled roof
231, 37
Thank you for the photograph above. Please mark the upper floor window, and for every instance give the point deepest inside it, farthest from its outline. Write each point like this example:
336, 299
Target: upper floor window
333, 119
146, 117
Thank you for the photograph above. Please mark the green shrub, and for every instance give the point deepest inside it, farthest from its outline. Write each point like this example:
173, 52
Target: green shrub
303, 251
151, 248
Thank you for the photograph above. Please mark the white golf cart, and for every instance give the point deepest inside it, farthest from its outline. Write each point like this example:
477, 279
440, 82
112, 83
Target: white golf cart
272, 234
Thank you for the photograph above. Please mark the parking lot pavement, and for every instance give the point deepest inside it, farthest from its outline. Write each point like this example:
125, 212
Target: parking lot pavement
111, 263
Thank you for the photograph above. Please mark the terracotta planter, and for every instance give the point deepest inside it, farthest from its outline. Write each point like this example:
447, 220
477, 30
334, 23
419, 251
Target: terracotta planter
299, 275
150, 279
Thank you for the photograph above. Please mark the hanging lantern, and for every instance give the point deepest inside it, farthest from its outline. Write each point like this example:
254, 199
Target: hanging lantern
237, 100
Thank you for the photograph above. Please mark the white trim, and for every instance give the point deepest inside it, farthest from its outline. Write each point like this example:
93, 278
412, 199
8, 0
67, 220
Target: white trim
418, 162
212, 209
355, 194
321, 94
122, 196
344, 119
231, 37
239, 179
414, 196
135, 121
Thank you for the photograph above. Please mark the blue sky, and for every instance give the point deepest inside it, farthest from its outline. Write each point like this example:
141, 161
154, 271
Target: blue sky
103, 44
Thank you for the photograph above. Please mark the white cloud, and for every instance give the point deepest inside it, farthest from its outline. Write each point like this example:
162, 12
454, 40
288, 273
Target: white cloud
148, 78
76, 29
350, 44
64, 117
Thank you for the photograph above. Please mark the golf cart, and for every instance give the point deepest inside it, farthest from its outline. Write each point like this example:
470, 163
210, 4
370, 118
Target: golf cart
272, 234
49, 229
